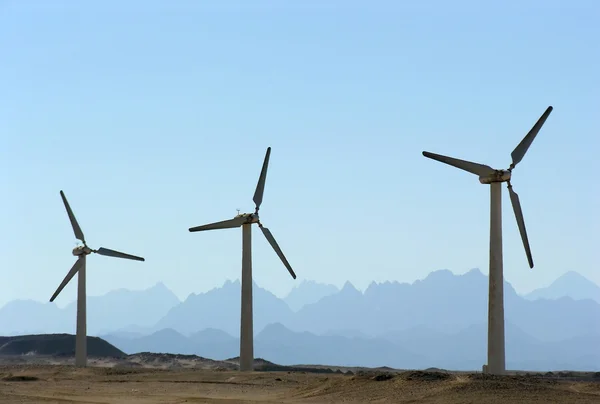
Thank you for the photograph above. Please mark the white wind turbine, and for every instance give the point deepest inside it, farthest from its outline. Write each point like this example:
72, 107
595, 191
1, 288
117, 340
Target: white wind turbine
79, 268
245, 220
487, 175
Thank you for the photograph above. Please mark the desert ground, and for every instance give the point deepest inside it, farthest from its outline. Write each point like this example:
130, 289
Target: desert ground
175, 379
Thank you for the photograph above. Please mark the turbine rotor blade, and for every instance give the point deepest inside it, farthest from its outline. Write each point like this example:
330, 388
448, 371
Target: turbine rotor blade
76, 267
112, 253
474, 168
225, 224
74, 224
260, 186
514, 199
275, 246
519, 151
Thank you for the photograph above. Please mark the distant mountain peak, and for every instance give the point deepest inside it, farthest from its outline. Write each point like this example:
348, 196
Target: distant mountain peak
349, 288
439, 274
275, 331
375, 288
372, 287
572, 275
166, 331
231, 283
570, 284
276, 326
211, 331
474, 272
574, 279
210, 335
159, 286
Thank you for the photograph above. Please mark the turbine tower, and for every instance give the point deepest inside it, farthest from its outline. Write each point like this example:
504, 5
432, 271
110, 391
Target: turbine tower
245, 220
79, 268
489, 176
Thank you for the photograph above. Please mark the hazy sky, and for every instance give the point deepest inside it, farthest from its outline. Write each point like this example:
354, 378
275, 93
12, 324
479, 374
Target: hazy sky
154, 117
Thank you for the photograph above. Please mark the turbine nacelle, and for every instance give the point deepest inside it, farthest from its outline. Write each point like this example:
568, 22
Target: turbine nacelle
250, 217
82, 250
496, 176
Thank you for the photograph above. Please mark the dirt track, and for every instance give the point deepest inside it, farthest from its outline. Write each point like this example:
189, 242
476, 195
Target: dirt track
66, 384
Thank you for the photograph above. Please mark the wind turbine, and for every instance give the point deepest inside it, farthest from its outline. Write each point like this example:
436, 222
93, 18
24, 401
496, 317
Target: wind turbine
489, 176
79, 268
245, 220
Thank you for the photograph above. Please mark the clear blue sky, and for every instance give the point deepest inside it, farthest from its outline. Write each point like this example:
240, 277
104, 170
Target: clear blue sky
154, 118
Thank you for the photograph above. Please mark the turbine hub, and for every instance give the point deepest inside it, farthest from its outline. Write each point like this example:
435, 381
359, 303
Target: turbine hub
250, 217
497, 176
82, 250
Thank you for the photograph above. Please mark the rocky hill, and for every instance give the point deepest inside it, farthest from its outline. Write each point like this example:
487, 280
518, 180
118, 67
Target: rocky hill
55, 345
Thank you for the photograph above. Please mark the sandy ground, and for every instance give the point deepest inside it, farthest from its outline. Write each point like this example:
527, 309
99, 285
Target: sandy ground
67, 384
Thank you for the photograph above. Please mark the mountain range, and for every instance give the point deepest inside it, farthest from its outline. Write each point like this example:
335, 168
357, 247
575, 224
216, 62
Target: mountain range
438, 321
115, 310
415, 348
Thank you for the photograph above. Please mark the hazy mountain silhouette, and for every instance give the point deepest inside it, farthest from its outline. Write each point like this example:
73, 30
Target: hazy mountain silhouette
216, 342
442, 317
114, 310
30, 317
209, 343
287, 348
280, 345
211, 336
163, 341
122, 307
413, 348
308, 292
219, 308
340, 311
467, 349
572, 285
445, 303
